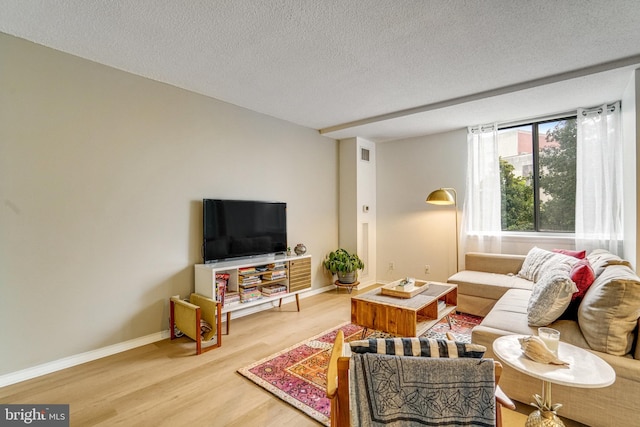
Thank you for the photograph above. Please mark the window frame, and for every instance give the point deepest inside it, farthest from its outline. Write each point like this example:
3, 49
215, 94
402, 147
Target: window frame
535, 133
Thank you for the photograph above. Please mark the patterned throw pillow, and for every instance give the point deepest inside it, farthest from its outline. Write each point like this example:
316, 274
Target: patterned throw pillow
551, 295
419, 347
538, 261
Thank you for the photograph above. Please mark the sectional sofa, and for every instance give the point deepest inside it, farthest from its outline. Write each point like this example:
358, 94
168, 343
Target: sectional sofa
604, 321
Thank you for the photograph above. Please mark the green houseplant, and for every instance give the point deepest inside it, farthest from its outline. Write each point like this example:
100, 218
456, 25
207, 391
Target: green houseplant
344, 264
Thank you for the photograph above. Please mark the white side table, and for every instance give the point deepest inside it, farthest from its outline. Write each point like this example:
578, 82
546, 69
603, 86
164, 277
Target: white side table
585, 370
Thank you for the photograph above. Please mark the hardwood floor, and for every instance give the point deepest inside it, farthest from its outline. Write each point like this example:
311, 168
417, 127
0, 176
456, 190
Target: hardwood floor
165, 384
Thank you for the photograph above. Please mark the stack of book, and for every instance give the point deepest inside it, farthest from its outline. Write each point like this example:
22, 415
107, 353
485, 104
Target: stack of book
221, 286
231, 298
275, 275
246, 270
250, 280
250, 293
276, 265
273, 290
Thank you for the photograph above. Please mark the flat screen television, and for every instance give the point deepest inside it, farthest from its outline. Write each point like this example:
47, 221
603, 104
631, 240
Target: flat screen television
242, 229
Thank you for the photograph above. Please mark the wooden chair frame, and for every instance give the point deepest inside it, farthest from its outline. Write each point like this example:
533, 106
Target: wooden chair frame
338, 385
187, 316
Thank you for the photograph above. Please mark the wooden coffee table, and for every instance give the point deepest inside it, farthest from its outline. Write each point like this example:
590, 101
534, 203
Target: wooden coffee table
407, 317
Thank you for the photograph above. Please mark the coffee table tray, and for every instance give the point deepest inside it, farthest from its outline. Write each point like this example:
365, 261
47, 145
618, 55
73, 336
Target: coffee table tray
397, 289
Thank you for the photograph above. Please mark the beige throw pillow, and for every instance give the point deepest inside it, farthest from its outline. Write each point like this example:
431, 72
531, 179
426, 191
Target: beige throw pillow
610, 310
551, 295
538, 261
601, 258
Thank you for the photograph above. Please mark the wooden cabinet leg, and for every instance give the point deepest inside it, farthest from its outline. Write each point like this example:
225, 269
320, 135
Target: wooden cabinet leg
228, 321
298, 301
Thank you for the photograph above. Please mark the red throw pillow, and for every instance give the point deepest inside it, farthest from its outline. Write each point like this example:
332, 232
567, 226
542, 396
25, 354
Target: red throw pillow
583, 276
575, 254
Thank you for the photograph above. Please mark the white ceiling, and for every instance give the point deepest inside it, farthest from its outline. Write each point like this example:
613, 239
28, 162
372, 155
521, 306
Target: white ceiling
391, 68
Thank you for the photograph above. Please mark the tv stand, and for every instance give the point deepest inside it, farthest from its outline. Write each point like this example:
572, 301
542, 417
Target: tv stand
253, 282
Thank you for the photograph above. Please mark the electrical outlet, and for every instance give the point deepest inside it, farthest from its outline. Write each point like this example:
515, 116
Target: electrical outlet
427, 269
392, 265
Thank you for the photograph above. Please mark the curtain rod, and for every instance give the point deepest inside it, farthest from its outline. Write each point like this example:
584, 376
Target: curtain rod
610, 108
556, 116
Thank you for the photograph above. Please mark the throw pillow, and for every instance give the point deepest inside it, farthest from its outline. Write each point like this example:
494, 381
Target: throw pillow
601, 259
539, 260
575, 254
551, 295
419, 347
609, 313
583, 276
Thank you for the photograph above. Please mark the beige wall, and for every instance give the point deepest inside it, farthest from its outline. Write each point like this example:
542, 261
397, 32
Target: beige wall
411, 233
102, 174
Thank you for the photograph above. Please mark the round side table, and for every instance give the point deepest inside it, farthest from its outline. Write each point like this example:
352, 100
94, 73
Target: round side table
585, 370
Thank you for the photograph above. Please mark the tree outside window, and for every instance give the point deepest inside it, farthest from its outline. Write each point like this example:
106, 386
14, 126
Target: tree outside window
538, 176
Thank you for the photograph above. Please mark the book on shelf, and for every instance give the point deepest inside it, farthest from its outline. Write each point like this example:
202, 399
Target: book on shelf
246, 270
231, 298
276, 266
274, 289
222, 280
275, 275
250, 296
275, 294
250, 280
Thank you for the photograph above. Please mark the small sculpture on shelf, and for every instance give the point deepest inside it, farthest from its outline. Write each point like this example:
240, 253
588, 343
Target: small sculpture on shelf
300, 249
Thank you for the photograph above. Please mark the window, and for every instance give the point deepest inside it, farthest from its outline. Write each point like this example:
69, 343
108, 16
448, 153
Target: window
538, 176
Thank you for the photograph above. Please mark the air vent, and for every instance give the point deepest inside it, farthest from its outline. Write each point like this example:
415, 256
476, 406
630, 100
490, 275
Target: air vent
364, 154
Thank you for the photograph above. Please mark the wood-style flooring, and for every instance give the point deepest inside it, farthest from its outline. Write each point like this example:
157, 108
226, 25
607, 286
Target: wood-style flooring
165, 384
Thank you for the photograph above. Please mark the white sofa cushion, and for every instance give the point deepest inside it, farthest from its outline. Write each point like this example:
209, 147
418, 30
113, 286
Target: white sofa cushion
551, 295
538, 261
610, 309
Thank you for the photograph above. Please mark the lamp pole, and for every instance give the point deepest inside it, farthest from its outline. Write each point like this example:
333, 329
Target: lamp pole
443, 196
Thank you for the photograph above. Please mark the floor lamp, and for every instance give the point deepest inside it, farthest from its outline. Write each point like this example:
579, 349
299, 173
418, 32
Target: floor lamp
446, 196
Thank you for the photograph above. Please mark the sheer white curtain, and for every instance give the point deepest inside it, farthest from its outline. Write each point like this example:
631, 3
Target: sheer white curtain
599, 221
481, 222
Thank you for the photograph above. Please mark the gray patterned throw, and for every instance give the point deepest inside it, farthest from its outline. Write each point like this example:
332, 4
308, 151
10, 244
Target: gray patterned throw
416, 391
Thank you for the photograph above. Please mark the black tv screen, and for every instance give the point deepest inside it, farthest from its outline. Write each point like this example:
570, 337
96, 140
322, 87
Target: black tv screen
243, 228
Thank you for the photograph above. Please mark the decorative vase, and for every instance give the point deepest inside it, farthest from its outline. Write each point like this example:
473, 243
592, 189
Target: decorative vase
347, 277
540, 418
300, 249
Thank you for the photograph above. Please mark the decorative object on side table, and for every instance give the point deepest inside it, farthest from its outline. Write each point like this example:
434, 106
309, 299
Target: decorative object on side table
405, 288
300, 249
535, 349
288, 250
344, 264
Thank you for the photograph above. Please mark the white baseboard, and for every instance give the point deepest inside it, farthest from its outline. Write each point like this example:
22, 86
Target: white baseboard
77, 359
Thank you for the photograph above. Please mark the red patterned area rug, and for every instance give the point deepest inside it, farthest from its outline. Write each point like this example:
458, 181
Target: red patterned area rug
298, 374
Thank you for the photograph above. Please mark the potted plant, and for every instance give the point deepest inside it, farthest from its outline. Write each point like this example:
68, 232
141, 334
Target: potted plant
344, 264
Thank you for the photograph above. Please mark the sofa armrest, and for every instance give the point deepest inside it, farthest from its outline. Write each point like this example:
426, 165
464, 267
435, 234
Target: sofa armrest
493, 263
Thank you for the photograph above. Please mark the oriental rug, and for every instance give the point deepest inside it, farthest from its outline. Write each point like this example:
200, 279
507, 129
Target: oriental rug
298, 374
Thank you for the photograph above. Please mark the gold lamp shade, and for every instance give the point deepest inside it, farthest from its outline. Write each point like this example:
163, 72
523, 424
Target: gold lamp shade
441, 197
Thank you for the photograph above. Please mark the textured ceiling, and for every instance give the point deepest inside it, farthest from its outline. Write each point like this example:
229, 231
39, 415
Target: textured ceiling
387, 69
